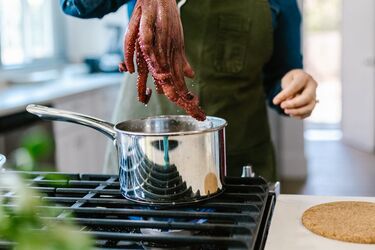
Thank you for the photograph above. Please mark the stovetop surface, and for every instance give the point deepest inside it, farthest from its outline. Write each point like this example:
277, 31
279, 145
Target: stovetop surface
233, 220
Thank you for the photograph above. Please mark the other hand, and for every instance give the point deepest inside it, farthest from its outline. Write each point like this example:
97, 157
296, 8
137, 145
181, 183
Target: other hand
298, 97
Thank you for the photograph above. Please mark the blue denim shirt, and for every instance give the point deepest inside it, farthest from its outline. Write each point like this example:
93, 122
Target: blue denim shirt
286, 21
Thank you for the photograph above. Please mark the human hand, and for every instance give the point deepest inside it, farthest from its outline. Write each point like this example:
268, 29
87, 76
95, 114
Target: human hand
155, 34
298, 97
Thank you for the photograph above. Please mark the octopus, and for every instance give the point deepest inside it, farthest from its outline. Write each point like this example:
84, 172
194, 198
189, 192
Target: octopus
155, 38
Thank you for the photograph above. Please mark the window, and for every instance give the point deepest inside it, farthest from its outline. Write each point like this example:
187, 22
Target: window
26, 31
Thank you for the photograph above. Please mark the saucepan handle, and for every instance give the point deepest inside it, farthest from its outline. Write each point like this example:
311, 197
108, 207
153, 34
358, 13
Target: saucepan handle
67, 116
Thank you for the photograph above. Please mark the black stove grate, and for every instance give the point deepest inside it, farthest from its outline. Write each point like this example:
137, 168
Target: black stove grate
234, 220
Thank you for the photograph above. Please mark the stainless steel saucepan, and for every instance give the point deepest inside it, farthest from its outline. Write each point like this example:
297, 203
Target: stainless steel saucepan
163, 160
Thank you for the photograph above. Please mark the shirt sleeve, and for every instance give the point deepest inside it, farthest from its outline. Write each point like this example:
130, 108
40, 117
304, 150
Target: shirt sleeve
90, 8
287, 46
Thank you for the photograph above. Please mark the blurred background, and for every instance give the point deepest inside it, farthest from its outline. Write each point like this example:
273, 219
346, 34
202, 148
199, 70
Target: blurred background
49, 58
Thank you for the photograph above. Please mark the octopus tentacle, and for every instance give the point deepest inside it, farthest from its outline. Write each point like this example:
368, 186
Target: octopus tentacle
144, 93
158, 87
155, 33
122, 67
146, 40
130, 39
188, 70
189, 103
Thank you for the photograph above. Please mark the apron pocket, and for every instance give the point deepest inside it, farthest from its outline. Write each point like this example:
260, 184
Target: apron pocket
231, 45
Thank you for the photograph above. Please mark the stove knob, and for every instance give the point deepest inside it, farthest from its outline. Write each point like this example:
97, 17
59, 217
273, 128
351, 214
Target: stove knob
247, 171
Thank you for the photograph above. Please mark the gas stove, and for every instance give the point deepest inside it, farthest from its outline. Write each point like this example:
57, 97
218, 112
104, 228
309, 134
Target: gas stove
237, 219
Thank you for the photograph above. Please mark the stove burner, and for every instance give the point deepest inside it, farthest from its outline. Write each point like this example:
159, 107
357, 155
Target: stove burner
169, 220
235, 220
161, 233
171, 232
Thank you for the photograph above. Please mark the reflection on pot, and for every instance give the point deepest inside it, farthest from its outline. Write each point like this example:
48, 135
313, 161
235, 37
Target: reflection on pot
159, 144
147, 180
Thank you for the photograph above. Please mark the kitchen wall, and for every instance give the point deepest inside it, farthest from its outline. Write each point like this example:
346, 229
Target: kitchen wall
358, 74
75, 39
89, 37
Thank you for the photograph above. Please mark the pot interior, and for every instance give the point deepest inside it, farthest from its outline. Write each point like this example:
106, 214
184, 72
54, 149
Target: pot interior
170, 125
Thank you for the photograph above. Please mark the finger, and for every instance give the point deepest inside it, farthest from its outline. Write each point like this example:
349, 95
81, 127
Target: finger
130, 40
291, 90
301, 117
307, 96
306, 110
144, 93
305, 116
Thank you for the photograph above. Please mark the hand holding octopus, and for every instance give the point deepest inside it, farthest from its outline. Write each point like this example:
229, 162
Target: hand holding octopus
155, 35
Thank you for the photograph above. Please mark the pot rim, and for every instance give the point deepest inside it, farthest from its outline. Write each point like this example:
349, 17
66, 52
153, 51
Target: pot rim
222, 124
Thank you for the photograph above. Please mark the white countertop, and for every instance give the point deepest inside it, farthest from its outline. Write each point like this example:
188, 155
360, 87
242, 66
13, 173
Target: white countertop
287, 232
15, 98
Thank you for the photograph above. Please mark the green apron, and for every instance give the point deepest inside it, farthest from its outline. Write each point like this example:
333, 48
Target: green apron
227, 44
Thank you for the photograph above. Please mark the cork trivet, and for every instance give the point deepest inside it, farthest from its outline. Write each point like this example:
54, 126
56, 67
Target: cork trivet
346, 221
